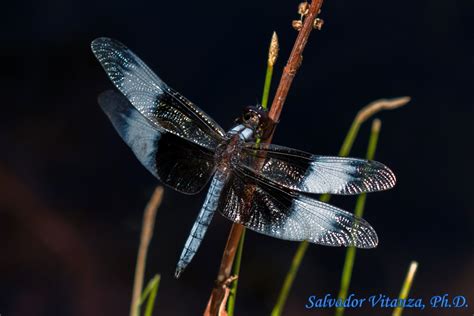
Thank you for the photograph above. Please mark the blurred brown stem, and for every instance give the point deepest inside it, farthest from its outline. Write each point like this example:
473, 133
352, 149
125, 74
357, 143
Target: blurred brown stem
219, 294
146, 235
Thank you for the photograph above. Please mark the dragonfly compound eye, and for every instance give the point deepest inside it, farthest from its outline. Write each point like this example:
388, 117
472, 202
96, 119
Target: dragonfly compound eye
247, 116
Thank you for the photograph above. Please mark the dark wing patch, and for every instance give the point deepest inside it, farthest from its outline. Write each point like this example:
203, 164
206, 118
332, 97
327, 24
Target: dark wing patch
180, 164
160, 104
304, 172
278, 212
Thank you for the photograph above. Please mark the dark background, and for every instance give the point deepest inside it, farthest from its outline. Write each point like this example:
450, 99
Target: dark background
72, 193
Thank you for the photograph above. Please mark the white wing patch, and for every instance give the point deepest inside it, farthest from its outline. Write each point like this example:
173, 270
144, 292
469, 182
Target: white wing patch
339, 175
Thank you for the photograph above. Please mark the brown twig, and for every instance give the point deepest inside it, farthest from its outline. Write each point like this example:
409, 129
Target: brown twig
295, 60
219, 294
145, 238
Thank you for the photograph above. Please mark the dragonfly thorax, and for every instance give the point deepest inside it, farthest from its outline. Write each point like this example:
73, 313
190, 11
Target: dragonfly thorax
228, 153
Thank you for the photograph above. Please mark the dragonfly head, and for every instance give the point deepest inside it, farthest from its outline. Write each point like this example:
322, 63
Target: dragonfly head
257, 119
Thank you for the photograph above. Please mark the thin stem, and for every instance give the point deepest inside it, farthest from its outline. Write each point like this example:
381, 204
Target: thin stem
229, 254
235, 272
365, 113
346, 277
359, 212
266, 87
146, 292
290, 277
350, 138
294, 61
406, 287
145, 238
374, 138
271, 60
153, 290
380, 105
218, 295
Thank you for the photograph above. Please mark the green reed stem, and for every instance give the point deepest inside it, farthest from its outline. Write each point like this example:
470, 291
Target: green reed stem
364, 114
266, 86
359, 212
350, 138
406, 287
150, 293
289, 279
235, 271
272, 56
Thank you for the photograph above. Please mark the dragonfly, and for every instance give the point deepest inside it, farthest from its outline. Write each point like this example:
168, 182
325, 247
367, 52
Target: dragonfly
267, 188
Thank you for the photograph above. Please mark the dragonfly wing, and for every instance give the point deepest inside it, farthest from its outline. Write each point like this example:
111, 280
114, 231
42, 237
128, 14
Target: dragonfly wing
154, 99
275, 211
307, 173
180, 164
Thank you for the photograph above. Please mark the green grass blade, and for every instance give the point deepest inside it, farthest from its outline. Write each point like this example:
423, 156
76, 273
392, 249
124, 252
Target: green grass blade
290, 277
149, 295
235, 271
350, 138
374, 139
359, 211
346, 277
267, 85
406, 287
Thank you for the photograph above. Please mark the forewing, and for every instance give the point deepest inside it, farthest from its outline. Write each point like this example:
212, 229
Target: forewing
160, 104
304, 172
278, 212
181, 164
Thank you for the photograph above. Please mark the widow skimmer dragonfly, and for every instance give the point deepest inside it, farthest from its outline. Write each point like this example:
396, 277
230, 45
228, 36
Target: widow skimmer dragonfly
267, 188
